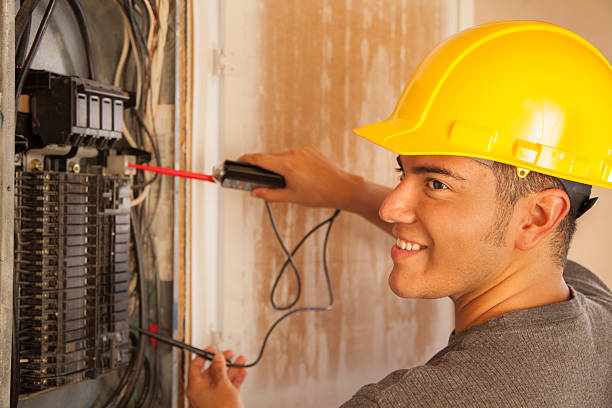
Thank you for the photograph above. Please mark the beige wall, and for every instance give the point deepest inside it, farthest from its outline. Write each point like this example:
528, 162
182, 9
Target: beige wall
298, 73
591, 19
295, 73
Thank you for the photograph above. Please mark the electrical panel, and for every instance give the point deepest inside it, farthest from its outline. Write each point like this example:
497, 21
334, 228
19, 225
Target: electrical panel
82, 238
72, 233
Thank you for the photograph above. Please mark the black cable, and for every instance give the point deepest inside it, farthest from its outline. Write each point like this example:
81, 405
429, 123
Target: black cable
21, 47
141, 47
289, 261
146, 385
112, 400
23, 17
156, 153
329, 221
208, 355
126, 388
77, 10
33, 50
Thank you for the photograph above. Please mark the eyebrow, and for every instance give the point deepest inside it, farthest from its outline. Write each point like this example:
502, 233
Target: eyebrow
430, 170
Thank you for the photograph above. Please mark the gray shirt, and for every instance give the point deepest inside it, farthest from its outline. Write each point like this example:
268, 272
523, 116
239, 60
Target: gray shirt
551, 356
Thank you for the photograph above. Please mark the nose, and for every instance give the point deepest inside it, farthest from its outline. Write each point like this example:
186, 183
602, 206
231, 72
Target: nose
399, 206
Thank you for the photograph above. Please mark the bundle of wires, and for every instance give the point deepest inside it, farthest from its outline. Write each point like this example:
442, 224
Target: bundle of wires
139, 62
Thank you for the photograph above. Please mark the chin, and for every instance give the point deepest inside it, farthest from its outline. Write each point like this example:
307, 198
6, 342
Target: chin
411, 287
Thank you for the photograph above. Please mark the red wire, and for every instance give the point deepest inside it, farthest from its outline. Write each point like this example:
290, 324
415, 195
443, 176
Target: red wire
172, 172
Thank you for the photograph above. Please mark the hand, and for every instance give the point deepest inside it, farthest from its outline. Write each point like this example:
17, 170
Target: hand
312, 179
217, 386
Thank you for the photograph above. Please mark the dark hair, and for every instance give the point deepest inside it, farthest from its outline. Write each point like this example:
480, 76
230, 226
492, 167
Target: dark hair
510, 188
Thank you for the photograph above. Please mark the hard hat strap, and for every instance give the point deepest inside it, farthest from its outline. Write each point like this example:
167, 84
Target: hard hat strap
578, 193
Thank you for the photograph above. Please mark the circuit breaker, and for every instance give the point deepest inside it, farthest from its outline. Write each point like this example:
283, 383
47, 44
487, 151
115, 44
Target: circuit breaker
72, 234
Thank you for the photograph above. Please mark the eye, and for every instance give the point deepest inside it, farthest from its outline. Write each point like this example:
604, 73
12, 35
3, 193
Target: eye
436, 185
401, 173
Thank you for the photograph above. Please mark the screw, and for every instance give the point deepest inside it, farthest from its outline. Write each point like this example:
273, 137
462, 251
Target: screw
36, 165
75, 168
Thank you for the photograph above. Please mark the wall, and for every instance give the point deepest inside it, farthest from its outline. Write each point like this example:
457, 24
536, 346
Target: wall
292, 74
591, 19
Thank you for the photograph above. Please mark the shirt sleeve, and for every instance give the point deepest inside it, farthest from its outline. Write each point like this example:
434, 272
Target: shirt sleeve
360, 401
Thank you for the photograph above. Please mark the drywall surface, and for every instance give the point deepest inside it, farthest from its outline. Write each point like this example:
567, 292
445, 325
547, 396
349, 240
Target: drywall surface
591, 19
295, 73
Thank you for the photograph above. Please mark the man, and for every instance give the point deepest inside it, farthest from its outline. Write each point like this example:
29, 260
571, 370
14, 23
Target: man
500, 133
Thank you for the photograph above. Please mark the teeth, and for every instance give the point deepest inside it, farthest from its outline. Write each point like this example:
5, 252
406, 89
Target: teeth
407, 245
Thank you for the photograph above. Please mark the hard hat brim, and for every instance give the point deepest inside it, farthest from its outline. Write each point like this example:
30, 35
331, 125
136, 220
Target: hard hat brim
381, 132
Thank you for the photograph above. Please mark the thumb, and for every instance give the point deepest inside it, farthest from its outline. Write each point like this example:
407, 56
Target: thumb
218, 369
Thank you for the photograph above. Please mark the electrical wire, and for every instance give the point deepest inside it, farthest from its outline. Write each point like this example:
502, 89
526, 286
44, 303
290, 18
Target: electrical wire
209, 355
143, 196
330, 222
22, 44
125, 50
77, 10
146, 385
156, 153
33, 50
137, 60
135, 132
23, 18
289, 261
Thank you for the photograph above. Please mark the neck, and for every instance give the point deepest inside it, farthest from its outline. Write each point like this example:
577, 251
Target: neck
518, 287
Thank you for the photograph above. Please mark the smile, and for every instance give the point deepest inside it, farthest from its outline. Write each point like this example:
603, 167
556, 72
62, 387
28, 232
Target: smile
408, 245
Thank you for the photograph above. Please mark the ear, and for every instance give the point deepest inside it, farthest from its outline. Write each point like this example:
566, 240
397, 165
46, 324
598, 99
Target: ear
543, 212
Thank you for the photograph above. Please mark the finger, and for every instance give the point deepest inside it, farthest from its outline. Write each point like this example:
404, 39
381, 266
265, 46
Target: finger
228, 354
233, 371
218, 368
237, 375
271, 194
267, 161
205, 376
195, 368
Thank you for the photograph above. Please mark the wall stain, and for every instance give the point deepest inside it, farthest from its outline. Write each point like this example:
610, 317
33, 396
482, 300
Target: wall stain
324, 67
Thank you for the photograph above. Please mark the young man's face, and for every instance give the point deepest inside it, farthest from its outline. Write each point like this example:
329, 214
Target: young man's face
448, 207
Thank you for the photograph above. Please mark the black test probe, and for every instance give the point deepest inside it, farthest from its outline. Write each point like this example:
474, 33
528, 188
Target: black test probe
245, 176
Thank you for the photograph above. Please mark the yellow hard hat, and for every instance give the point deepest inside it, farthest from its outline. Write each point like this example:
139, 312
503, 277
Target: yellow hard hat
530, 94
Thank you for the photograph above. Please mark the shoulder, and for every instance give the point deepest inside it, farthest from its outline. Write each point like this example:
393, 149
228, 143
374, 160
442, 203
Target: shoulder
439, 384
587, 283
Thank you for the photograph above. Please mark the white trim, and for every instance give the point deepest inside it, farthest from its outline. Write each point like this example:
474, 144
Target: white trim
465, 14
206, 280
